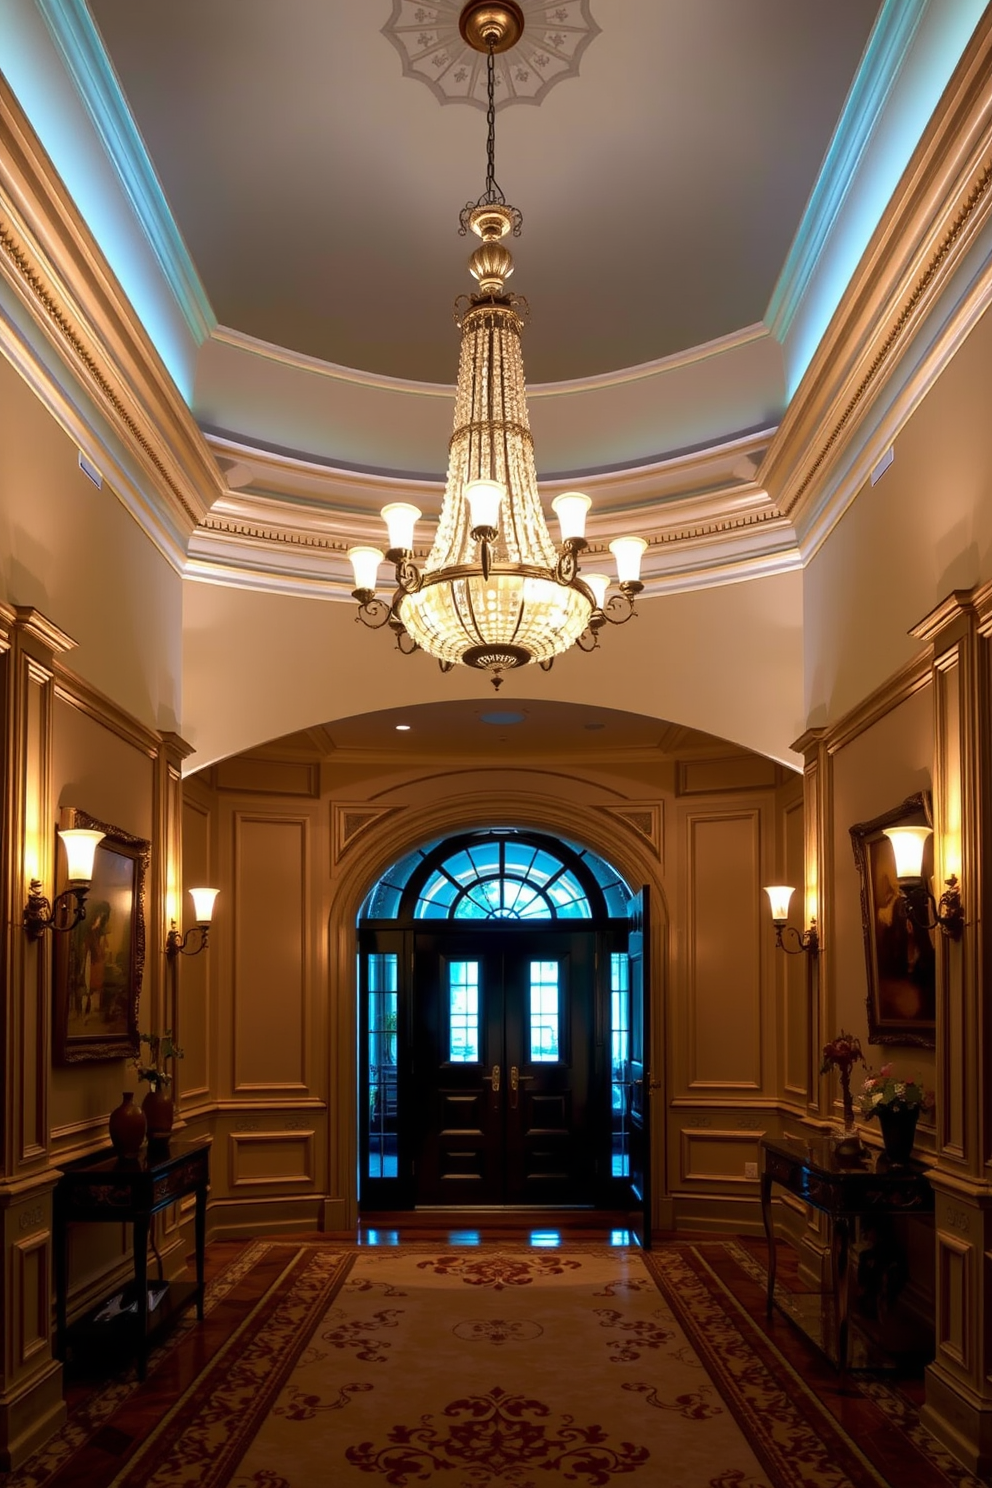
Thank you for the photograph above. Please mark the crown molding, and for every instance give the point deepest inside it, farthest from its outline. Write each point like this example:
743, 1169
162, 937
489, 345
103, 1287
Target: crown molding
915, 296
703, 525
85, 59
55, 273
890, 40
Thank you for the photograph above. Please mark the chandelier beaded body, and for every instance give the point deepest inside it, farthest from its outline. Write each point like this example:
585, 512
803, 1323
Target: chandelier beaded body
495, 592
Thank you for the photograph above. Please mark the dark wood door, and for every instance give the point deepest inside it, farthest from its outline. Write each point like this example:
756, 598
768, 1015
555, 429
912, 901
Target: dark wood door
503, 1067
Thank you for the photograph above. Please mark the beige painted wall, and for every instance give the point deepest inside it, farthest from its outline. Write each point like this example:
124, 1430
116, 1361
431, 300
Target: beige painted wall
76, 555
922, 531
726, 660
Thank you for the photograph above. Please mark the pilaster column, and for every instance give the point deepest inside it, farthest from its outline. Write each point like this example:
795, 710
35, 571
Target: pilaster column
31, 1405
167, 888
959, 1382
817, 813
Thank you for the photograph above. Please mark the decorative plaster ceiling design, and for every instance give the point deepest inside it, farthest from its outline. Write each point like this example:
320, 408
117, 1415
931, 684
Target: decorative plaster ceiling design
427, 37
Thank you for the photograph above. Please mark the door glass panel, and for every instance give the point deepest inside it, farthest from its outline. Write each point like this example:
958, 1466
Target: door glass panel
382, 1066
463, 1012
544, 1012
620, 1062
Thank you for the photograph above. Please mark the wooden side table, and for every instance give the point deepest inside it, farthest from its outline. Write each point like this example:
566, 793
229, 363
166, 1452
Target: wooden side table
107, 1189
845, 1192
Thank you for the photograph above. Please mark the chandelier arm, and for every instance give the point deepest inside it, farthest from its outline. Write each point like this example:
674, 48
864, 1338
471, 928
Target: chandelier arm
619, 608
373, 612
588, 640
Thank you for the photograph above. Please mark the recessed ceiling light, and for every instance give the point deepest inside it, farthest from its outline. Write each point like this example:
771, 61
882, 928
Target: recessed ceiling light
402, 728
592, 726
500, 719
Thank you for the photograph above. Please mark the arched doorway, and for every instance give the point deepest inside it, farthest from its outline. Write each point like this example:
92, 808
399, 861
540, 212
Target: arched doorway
501, 1019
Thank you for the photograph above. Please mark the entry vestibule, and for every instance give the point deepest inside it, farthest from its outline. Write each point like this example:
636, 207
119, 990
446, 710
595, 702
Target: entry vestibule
501, 1062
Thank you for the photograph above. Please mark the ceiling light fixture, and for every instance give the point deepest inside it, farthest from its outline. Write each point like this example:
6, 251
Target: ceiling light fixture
494, 592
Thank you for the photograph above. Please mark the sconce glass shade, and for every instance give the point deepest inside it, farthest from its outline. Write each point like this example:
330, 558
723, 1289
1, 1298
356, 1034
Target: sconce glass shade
627, 552
908, 844
203, 904
484, 497
778, 897
365, 562
80, 849
400, 518
598, 583
570, 508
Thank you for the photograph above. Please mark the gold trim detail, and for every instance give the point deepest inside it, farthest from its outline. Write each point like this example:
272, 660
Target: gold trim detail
45, 296
906, 314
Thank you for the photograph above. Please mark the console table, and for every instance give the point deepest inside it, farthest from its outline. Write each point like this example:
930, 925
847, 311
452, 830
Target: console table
107, 1189
808, 1168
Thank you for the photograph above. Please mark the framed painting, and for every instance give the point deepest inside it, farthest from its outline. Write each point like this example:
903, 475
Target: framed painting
99, 963
900, 956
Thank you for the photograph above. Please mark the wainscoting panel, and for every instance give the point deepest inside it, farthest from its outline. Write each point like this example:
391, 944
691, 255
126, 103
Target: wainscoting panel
723, 991
276, 1157
270, 983
33, 1289
196, 977
719, 1156
955, 1259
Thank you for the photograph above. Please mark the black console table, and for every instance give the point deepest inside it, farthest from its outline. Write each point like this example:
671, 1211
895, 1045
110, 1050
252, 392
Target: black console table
871, 1188
107, 1189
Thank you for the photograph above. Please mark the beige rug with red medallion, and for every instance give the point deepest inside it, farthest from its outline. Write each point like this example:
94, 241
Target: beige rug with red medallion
484, 1367
325, 1367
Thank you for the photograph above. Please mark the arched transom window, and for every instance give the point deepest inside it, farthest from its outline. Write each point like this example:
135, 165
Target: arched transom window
498, 875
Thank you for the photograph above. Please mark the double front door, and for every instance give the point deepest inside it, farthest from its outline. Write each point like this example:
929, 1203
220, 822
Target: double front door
503, 1049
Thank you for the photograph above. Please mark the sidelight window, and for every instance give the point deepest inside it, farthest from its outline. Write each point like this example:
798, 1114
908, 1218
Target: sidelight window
382, 996
620, 1062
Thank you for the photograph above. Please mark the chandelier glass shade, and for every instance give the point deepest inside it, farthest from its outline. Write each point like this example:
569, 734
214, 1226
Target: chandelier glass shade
495, 592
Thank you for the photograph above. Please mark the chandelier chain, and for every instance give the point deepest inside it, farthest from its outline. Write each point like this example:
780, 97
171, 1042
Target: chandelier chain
493, 191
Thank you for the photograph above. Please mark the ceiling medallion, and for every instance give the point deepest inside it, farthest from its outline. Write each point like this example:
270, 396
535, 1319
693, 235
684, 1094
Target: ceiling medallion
543, 44
494, 592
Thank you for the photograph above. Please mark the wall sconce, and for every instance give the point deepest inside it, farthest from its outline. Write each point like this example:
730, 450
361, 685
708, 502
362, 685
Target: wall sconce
60, 915
203, 908
917, 902
805, 940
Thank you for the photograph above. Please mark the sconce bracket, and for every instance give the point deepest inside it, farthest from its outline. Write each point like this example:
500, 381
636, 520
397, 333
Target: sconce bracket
59, 915
179, 945
805, 940
923, 910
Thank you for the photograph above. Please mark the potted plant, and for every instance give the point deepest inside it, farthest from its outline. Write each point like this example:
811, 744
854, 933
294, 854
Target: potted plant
897, 1104
158, 1105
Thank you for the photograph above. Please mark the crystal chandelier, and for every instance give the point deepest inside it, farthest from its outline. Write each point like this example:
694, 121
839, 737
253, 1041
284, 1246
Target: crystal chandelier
494, 592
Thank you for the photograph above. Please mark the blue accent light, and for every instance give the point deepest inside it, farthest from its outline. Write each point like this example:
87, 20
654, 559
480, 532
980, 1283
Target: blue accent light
545, 1239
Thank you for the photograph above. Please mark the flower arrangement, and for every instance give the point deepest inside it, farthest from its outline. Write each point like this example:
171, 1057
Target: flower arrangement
842, 1053
883, 1094
160, 1049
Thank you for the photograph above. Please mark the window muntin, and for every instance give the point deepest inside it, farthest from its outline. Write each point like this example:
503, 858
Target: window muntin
502, 880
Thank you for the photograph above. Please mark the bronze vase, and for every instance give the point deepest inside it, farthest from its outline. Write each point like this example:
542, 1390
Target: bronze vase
898, 1133
159, 1113
127, 1127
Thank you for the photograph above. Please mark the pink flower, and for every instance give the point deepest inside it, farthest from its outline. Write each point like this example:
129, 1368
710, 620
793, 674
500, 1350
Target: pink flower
886, 1070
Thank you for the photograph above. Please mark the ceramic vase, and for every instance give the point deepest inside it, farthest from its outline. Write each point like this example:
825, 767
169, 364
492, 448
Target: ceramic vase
159, 1112
898, 1133
127, 1127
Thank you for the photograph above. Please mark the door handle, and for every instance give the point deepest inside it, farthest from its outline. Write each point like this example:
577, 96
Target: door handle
494, 1078
516, 1080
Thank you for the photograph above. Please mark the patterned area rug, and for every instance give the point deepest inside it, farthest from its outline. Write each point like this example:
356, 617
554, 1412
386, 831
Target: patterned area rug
477, 1367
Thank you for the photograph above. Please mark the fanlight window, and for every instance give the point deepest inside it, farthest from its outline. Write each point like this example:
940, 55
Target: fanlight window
502, 880
500, 875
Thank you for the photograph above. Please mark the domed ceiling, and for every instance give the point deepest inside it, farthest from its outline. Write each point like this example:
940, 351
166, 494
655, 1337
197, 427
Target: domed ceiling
318, 187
